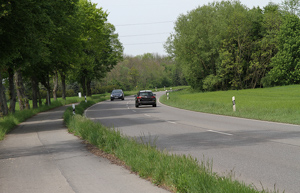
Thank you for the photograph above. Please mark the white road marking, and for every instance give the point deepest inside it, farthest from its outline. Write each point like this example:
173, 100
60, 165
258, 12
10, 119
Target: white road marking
219, 132
147, 115
172, 122
134, 111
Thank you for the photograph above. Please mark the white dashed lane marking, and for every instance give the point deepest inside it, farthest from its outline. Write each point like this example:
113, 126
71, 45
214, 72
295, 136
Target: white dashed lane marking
219, 132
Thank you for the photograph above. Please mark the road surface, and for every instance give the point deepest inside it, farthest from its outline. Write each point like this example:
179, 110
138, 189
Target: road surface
256, 152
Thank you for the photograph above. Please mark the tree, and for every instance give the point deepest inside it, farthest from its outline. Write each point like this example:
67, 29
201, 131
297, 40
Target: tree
24, 30
292, 6
236, 45
145, 71
194, 44
286, 64
266, 47
101, 47
65, 44
3, 103
225, 45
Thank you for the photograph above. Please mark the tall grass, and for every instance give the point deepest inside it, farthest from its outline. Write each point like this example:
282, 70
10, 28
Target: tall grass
179, 173
278, 104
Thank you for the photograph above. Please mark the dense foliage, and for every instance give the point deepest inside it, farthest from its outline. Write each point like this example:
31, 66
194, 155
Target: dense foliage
225, 45
145, 72
45, 41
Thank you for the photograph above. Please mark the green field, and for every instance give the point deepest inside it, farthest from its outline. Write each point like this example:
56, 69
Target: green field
278, 104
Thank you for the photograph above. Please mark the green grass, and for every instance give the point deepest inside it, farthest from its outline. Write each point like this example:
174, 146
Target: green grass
179, 173
278, 104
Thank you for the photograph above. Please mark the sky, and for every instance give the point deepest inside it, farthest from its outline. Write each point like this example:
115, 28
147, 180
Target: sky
144, 26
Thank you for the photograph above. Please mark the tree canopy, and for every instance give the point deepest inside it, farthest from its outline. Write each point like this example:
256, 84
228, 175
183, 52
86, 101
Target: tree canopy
225, 45
40, 39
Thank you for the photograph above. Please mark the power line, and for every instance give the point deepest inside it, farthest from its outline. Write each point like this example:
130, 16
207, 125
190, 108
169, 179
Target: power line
145, 34
144, 23
143, 43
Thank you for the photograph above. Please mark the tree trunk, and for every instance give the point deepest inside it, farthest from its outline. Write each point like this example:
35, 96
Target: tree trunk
22, 98
55, 85
63, 85
12, 93
3, 102
88, 88
40, 98
83, 86
48, 91
48, 98
34, 85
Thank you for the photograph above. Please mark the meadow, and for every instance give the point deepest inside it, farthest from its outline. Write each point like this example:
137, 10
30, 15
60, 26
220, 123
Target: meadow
278, 104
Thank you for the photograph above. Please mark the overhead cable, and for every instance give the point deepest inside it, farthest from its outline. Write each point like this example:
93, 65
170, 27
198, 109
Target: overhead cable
144, 23
145, 34
143, 43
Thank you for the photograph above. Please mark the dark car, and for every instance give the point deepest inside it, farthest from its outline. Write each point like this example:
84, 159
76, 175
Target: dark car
117, 94
145, 97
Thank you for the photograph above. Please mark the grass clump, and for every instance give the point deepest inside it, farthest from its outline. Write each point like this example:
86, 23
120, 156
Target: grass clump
179, 173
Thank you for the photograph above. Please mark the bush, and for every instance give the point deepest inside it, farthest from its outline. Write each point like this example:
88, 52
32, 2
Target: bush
104, 89
210, 83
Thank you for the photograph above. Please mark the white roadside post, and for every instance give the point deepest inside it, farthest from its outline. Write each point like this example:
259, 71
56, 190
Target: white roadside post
73, 105
79, 94
85, 98
233, 103
168, 96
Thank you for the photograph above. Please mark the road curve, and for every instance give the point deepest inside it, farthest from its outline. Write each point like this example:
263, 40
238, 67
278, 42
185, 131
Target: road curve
256, 152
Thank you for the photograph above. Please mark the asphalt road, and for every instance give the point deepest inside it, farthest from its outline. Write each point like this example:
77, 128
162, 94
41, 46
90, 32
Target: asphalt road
40, 156
261, 153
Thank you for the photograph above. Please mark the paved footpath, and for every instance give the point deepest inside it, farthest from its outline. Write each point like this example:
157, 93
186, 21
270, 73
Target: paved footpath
41, 156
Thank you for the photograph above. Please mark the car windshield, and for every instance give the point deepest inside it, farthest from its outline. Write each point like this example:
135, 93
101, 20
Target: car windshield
146, 94
116, 92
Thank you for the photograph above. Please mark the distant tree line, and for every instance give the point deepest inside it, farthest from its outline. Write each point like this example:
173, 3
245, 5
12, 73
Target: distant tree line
145, 71
225, 45
45, 41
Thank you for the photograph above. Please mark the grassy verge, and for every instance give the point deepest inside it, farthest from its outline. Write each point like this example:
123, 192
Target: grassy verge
7, 123
278, 104
178, 173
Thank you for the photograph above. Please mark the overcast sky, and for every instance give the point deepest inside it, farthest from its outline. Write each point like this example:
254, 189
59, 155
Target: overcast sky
144, 26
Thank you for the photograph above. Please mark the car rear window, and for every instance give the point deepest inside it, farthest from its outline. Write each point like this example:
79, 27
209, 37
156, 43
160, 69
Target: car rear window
146, 94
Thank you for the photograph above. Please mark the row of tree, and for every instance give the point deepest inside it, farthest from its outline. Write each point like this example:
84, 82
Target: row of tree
145, 71
225, 45
42, 40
